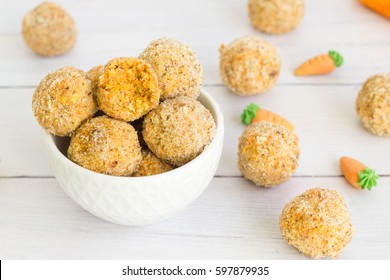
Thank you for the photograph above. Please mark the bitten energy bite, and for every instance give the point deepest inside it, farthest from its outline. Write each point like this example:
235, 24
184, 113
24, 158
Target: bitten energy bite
178, 130
106, 146
63, 100
373, 104
178, 69
151, 165
317, 223
249, 66
49, 30
128, 89
267, 153
275, 16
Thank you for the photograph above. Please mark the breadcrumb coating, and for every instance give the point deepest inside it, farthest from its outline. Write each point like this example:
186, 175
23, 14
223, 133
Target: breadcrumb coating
128, 89
317, 223
373, 104
63, 100
49, 30
178, 69
151, 165
94, 74
249, 65
267, 153
107, 146
178, 130
276, 16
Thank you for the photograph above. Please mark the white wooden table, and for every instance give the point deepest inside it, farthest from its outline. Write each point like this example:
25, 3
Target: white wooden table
232, 219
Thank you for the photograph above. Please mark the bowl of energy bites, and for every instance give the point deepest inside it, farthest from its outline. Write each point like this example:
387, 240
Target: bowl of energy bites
133, 141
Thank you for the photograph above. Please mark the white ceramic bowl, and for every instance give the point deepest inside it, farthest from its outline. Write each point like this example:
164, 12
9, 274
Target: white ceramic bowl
138, 201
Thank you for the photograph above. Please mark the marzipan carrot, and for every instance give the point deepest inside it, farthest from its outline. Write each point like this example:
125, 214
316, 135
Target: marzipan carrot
253, 113
380, 6
357, 174
321, 64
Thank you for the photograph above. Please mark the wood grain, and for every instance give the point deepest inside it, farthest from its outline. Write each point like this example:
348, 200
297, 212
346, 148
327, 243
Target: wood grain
124, 28
39, 221
233, 219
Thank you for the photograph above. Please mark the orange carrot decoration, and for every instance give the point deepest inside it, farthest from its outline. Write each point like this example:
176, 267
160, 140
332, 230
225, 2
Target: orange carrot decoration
321, 64
253, 113
357, 174
380, 6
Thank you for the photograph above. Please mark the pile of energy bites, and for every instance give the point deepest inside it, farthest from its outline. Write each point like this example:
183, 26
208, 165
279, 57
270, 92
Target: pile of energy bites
132, 116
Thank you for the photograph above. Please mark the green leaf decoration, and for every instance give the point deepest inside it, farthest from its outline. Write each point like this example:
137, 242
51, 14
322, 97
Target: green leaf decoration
249, 113
337, 58
368, 179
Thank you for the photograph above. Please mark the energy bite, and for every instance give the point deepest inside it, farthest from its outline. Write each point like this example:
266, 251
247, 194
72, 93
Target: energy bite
151, 165
317, 223
49, 30
249, 66
275, 16
178, 69
94, 74
373, 104
267, 153
107, 146
128, 89
63, 100
178, 130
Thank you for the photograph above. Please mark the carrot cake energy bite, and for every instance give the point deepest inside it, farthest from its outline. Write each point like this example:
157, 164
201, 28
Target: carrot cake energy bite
317, 223
267, 153
249, 65
94, 74
178, 69
63, 100
178, 130
373, 104
128, 89
49, 30
151, 165
276, 16
107, 146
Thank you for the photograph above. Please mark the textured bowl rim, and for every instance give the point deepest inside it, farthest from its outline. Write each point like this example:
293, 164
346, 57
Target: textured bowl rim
219, 133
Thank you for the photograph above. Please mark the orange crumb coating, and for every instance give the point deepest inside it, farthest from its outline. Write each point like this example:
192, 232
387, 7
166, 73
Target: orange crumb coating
373, 104
178, 69
63, 100
107, 146
249, 66
276, 16
151, 165
317, 223
268, 153
94, 74
128, 89
178, 130
49, 30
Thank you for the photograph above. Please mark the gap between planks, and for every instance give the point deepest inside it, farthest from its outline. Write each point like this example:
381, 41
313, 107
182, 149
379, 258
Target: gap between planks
216, 85
215, 177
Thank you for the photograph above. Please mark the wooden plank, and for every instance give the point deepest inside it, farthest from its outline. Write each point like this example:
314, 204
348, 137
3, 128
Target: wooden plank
232, 219
124, 28
326, 124
324, 116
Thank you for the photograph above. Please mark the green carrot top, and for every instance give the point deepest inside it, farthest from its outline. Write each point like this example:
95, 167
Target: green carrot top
337, 58
368, 178
249, 113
